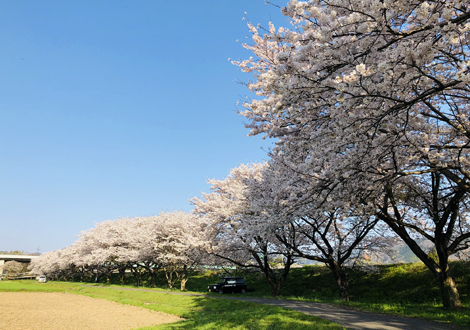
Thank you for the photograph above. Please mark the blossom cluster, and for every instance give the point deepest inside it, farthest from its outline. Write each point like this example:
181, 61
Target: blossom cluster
169, 242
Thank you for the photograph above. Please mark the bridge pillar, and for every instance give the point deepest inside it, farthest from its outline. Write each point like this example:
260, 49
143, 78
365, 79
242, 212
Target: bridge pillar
2, 262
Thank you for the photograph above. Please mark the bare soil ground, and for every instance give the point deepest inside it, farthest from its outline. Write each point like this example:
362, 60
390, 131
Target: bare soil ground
57, 310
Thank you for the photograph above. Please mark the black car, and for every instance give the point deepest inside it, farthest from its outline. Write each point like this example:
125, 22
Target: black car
229, 284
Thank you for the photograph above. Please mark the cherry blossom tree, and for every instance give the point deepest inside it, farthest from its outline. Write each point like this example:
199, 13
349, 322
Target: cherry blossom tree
13, 268
372, 96
46, 264
179, 244
131, 247
65, 263
98, 249
142, 236
122, 244
238, 232
324, 232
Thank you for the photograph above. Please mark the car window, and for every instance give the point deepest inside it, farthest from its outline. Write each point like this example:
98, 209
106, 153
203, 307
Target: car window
231, 282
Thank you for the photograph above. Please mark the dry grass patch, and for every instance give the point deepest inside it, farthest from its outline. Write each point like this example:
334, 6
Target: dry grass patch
60, 310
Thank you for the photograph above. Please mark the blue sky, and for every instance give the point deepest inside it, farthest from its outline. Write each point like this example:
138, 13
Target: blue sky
117, 108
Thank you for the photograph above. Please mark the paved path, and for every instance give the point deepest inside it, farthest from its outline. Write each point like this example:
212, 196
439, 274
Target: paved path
349, 318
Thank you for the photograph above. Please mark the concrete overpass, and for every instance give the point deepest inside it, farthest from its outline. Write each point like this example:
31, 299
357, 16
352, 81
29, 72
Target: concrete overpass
9, 257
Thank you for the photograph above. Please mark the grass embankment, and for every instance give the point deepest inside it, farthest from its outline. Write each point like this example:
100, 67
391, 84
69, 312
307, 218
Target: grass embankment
199, 312
404, 289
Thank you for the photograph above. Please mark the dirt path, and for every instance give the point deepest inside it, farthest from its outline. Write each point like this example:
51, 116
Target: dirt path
349, 318
59, 310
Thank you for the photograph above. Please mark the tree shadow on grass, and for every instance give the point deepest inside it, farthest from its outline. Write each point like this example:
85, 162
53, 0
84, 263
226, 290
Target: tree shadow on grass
210, 313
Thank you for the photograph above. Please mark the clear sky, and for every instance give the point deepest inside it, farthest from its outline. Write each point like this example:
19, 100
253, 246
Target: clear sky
117, 109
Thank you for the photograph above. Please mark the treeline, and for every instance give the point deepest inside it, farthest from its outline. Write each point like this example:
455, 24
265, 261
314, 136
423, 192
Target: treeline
170, 243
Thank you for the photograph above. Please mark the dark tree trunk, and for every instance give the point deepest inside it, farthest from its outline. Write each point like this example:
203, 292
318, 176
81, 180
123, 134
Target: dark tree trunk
341, 278
152, 269
442, 234
122, 275
275, 286
137, 273
153, 276
450, 294
275, 281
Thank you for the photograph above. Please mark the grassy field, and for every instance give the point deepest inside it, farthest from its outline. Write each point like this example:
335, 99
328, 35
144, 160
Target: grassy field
406, 289
199, 312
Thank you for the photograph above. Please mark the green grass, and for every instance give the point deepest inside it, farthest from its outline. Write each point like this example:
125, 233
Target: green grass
27, 286
199, 312
405, 289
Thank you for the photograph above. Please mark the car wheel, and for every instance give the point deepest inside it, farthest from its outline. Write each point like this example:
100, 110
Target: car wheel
243, 291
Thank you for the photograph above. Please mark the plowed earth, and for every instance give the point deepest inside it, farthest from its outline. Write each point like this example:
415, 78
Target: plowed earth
57, 310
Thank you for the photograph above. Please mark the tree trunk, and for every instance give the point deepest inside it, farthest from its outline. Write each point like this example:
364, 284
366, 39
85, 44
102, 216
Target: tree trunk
275, 287
183, 284
137, 276
449, 292
122, 275
342, 280
169, 278
153, 275
444, 223
274, 282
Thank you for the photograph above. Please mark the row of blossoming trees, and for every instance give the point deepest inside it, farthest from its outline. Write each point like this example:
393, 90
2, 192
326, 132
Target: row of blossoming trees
169, 243
369, 103
252, 221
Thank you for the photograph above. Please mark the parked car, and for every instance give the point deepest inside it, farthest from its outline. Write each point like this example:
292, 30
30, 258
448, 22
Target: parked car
42, 279
229, 284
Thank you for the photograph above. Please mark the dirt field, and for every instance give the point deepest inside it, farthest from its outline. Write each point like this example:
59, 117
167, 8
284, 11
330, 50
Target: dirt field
56, 310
